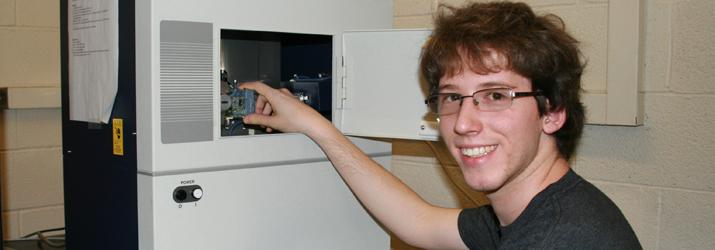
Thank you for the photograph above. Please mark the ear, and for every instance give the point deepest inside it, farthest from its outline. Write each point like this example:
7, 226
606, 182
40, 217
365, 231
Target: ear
553, 121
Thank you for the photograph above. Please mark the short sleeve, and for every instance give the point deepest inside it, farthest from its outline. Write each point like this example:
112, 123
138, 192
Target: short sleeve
478, 228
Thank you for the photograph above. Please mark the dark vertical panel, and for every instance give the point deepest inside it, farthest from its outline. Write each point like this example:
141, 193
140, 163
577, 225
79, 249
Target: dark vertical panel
1, 223
101, 188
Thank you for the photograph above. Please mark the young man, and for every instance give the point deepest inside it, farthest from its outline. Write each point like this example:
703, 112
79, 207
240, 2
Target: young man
505, 84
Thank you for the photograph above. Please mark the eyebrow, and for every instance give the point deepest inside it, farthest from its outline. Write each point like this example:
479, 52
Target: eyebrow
445, 86
485, 85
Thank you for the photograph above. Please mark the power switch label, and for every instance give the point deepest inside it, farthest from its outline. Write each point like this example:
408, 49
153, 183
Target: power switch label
118, 136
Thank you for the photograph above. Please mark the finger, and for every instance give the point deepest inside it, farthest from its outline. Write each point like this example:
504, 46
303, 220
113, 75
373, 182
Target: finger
257, 119
268, 109
286, 91
259, 87
262, 105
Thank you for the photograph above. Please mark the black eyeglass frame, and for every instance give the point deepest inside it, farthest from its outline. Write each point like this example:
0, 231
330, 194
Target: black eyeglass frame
512, 94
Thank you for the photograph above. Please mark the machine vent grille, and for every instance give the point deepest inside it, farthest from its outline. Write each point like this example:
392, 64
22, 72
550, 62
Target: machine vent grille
186, 91
186, 81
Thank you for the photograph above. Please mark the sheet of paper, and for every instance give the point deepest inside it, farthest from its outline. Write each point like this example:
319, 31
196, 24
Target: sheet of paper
93, 59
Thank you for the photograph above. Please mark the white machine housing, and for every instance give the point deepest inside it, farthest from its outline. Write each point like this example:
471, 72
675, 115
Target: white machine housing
275, 191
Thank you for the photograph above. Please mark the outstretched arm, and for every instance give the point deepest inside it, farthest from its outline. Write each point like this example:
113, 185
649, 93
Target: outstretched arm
392, 202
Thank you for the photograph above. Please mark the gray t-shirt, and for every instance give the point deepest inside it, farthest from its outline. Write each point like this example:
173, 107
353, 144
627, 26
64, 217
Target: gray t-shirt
569, 214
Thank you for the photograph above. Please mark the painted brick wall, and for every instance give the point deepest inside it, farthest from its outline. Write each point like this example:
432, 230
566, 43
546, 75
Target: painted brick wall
30, 139
661, 174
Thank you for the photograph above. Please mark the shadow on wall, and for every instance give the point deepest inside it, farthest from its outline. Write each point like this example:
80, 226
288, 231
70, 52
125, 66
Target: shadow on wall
3, 173
457, 186
467, 197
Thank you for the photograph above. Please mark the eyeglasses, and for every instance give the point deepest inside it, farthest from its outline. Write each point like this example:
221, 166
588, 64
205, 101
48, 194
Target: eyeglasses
495, 99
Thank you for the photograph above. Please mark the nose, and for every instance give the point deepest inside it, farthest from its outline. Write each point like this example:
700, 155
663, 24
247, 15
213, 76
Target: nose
468, 118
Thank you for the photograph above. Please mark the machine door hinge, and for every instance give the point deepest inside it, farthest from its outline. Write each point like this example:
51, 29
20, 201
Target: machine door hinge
344, 84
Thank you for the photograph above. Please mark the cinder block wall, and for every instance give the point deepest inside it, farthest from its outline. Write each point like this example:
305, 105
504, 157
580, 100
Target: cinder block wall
30, 139
661, 174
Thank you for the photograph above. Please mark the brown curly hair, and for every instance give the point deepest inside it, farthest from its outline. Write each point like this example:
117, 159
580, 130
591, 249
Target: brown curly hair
534, 46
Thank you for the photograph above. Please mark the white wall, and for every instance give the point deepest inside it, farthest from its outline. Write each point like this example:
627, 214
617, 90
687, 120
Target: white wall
661, 174
30, 139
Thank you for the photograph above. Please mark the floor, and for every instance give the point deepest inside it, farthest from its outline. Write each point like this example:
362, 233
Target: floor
32, 245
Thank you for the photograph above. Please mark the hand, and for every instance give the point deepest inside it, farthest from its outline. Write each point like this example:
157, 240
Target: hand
280, 110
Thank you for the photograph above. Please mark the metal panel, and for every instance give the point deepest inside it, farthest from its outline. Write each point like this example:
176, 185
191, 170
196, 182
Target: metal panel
296, 206
186, 85
318, 17
383, 94
624, 103
100, 189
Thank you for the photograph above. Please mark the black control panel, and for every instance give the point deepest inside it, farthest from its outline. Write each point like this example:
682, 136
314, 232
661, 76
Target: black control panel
192, 193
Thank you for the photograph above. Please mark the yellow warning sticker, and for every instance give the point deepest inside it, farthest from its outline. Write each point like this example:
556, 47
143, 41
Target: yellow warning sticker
118, 136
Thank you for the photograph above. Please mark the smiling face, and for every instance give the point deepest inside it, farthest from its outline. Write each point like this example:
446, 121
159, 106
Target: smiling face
493, 148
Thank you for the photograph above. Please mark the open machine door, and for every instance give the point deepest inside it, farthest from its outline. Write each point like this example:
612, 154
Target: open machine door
382, 95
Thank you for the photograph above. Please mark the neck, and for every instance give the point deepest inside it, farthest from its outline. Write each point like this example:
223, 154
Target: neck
511, 199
